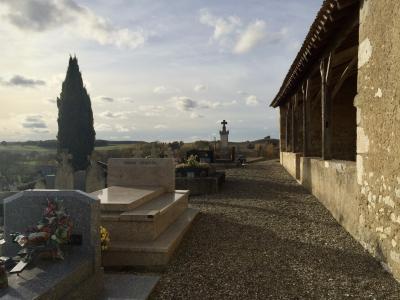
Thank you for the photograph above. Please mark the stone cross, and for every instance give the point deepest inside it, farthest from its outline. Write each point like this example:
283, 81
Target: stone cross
224, 125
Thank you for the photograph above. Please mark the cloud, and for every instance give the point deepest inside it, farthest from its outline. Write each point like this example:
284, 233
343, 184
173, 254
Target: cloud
51, 100
104, 99
216, 104
224, 28
231, 34
183, 103
251, 37
200, 88
113, 115
195, 115
19, 80
160, 126
34, 122
43, 15
242, 93
209, 104
100, 127
151, 110
122, 128
162, 90
252, 100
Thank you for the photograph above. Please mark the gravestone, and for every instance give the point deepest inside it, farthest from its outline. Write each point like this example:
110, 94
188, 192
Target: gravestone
80, 180
95, 176
169, 153
79, 275
133, 172
137, 153
65, 173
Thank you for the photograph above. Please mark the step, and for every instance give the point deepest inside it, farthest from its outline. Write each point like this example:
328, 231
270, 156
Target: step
146, 222
117, 198
150, 254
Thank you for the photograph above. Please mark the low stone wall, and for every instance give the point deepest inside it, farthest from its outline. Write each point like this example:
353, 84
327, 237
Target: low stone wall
291, 162
334, 183
201, 185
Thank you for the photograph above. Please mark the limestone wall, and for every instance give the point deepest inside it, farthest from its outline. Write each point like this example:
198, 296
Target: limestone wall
378, 131
334, 183
290, 161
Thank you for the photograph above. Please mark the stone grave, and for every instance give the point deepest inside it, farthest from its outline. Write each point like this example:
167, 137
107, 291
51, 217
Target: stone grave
145, 215
64, 179
95, 176
79, 275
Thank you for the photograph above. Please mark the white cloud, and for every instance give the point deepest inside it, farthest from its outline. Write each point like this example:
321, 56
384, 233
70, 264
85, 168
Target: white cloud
200, 88
101, 127
44, 15
183, 103
231, 34
242, 93
195, 115
251, 100
113, 115
210, 104
222, 26
162, 90
160, 126
121, 128
253, 35
151, 110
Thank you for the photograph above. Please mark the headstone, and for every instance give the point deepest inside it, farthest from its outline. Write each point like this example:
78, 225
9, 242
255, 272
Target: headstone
80, 272
95, 176
80, 180
153, 153
137, 153
133, 172
65, 173
50, 181
169, 153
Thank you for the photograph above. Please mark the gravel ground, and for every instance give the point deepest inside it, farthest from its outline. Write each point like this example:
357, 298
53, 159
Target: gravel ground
265, 237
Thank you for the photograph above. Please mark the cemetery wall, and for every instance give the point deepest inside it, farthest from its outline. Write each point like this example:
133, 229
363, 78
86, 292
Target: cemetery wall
378, 131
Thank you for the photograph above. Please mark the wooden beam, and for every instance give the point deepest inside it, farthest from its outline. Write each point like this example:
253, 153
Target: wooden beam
326, 109
346, 73
304, 90
287, 127
293, 125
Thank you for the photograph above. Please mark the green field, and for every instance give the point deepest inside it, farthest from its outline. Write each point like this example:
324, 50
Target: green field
26, 148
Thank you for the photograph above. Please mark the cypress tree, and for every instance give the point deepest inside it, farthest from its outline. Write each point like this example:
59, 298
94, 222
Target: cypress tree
76, 134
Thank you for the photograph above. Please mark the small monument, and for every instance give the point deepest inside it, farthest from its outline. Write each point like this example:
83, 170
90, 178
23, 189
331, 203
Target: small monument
65, 173
224, 136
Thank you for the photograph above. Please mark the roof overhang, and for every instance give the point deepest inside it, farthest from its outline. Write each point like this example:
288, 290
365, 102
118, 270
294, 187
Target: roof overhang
334, 18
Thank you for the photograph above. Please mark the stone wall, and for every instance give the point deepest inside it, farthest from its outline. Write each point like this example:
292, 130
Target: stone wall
378, 131
291, 161
334, 183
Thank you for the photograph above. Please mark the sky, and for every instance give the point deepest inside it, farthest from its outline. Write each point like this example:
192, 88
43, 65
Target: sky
154, 69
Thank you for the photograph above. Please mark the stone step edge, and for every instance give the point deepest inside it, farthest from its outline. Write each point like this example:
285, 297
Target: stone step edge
144, 215
169, 237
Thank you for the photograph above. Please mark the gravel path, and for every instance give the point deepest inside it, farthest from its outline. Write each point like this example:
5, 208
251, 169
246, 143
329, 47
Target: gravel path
265, 237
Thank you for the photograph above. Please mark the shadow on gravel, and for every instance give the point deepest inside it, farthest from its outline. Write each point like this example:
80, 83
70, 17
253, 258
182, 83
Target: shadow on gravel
222, 259
292, 217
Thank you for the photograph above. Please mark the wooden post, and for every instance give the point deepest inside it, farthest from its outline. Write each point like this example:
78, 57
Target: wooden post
326, 109
287, 127
304, 90
293, 124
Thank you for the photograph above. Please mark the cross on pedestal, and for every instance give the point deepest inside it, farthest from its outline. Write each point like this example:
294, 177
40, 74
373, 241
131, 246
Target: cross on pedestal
224, 125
